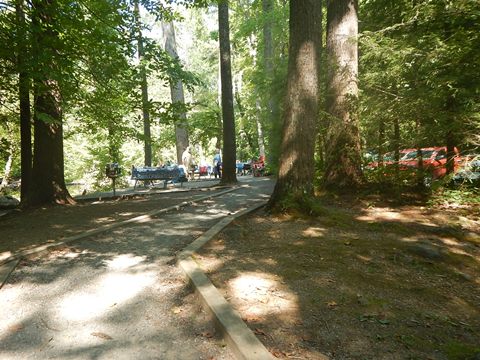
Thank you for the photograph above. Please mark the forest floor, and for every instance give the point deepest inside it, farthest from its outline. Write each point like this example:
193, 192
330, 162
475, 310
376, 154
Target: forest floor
367, 279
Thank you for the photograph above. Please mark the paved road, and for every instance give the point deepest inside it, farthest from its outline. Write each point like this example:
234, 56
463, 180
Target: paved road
118, 296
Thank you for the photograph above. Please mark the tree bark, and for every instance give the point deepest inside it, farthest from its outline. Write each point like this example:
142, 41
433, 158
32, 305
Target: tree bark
24, 100
273, 108
396, 147
8, 170
450, 138
176, 92
144, 87
343, 159
48, 160
381, 141
229, 146
296, 167
269, 70
261, 137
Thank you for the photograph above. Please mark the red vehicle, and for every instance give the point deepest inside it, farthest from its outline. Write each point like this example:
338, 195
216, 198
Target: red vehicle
434, 161
389, 158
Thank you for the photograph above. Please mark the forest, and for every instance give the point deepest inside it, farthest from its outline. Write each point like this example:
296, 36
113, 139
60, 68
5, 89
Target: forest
345, 219
332, 94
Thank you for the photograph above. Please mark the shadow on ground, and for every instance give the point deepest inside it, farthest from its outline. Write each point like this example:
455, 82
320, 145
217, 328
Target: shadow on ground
354, 283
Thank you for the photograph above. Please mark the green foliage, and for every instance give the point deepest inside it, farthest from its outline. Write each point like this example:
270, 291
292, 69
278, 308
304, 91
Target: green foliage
418, 66
458, 351
456, 197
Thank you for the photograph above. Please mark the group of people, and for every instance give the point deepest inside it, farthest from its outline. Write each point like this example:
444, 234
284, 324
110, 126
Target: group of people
190, 166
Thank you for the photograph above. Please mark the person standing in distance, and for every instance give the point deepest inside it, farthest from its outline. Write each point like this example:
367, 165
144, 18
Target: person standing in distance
217, 164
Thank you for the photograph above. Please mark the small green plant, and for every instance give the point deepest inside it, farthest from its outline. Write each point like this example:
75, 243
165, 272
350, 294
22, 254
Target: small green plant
460, 196
459, 351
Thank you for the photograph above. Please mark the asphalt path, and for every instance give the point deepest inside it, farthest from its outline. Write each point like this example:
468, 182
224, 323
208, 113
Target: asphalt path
118, 295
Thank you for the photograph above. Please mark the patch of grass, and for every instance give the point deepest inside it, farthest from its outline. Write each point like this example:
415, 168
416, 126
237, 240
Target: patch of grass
460, 351
462, 196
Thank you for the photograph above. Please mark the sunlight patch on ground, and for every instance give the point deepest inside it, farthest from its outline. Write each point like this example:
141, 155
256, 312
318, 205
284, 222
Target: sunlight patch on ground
9, 322
101, 297
382, 214
124, 261
126, 214
4, 255
145, 219
314, 232
104, 219
262, 294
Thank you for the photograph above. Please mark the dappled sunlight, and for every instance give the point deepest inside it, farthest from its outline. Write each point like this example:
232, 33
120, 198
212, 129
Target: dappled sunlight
262, 294
144, 219
443, 244
124, 261
275, 234
101, 296
314, 232
103, 220
5, 255
126, 214
270, 262
385, 214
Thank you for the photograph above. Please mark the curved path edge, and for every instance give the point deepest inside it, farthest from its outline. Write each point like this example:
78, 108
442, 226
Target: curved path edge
8, 264
239, 337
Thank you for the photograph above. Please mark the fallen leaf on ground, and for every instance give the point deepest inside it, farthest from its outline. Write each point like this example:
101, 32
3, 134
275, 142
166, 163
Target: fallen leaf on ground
101, 335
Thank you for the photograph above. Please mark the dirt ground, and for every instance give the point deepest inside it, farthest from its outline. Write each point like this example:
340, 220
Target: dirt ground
21, 230
365, 280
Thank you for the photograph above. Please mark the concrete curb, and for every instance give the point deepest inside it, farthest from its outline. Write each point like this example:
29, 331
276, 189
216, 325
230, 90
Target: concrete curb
108, 227
239, 337
6, 270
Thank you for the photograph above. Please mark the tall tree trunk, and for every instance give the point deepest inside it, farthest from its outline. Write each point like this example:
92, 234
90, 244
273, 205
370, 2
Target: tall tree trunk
24, 99
343, 157
48, 160
144, 87
268, 55
296, 167
176, 91
396, 147
450, 139
8, 169
261, 137
381, 141
258, 116
229, 146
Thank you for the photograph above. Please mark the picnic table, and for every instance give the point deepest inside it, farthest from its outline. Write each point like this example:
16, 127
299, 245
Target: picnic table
165, 173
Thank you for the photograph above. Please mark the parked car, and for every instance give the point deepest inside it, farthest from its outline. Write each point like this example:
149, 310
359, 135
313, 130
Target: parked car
388, 158
434, 161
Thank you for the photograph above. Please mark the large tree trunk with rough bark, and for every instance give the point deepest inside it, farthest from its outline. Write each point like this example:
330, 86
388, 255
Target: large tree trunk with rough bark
296, 167
176, 92
147, 141
48, 183
343, 159
24, 102
229, 145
